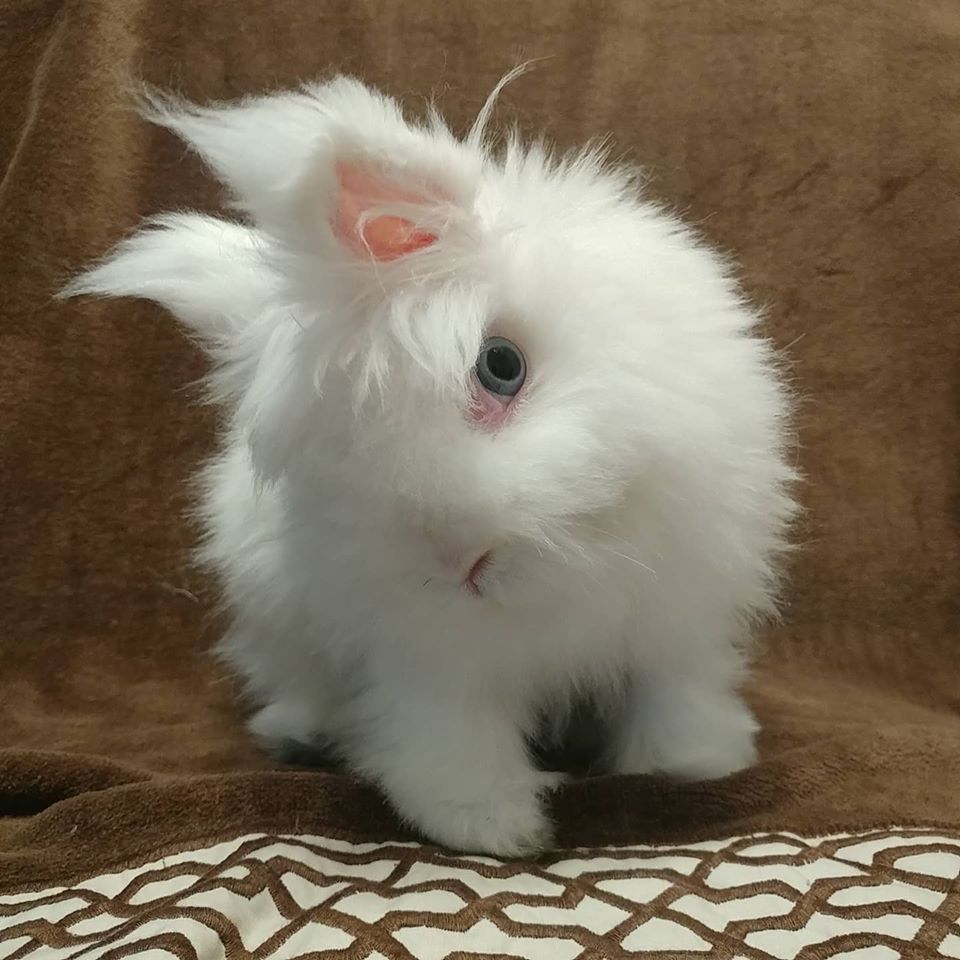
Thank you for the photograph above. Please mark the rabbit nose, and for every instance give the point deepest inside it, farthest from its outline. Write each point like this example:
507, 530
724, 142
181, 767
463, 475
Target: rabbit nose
473, 579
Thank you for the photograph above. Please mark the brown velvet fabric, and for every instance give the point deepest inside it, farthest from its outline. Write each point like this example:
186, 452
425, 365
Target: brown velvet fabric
820, 143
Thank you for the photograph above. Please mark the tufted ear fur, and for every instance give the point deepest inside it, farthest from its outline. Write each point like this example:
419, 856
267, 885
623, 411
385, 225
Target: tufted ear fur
209, 273
336, 160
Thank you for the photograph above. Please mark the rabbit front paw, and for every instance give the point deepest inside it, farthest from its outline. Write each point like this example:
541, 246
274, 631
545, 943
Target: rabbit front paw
506, 820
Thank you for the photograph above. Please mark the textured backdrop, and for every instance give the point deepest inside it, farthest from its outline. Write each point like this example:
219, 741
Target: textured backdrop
819, 143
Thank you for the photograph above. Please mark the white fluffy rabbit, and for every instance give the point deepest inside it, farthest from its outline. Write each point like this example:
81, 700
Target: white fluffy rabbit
499, 437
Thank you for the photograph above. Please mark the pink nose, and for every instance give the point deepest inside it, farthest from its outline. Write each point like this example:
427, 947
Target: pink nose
473, 581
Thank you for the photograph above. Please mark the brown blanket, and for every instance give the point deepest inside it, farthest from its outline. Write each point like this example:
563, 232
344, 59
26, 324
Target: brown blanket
818, 142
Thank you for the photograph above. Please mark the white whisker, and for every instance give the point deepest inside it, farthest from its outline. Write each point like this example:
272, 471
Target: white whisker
639, 563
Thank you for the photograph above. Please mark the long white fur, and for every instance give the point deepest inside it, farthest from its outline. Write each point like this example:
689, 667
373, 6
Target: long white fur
636, 504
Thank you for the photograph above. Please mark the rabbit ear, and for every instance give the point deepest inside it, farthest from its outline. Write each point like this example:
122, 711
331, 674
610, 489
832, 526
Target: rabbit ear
379, 217
334, 157
211, 274
256, 147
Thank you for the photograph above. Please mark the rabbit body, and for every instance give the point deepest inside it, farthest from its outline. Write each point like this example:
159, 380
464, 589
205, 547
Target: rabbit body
425, 564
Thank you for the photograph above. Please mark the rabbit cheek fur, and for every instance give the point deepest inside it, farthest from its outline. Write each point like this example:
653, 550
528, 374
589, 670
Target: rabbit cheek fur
417, 571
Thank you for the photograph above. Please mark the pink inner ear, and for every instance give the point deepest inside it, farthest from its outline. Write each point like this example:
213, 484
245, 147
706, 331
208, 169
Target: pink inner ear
384, 237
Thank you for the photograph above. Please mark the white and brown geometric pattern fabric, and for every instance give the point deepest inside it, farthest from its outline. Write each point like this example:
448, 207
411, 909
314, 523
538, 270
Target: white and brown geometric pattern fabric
872, 896
818, 145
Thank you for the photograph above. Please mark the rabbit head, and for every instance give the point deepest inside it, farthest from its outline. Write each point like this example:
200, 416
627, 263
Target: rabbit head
508, 358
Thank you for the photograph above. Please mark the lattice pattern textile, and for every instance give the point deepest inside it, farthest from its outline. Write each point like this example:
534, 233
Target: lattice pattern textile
819, 145
878, 895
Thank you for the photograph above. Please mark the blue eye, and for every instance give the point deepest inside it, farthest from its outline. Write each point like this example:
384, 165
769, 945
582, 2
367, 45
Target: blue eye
501, 367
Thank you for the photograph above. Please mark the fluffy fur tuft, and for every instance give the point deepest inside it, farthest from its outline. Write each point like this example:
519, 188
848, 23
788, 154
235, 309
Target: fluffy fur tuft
630, 506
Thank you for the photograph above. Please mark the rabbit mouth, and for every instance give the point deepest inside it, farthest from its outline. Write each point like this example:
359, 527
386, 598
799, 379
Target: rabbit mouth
473, 581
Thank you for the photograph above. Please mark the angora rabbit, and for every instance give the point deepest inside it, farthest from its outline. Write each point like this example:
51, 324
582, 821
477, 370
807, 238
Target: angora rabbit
499, 438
